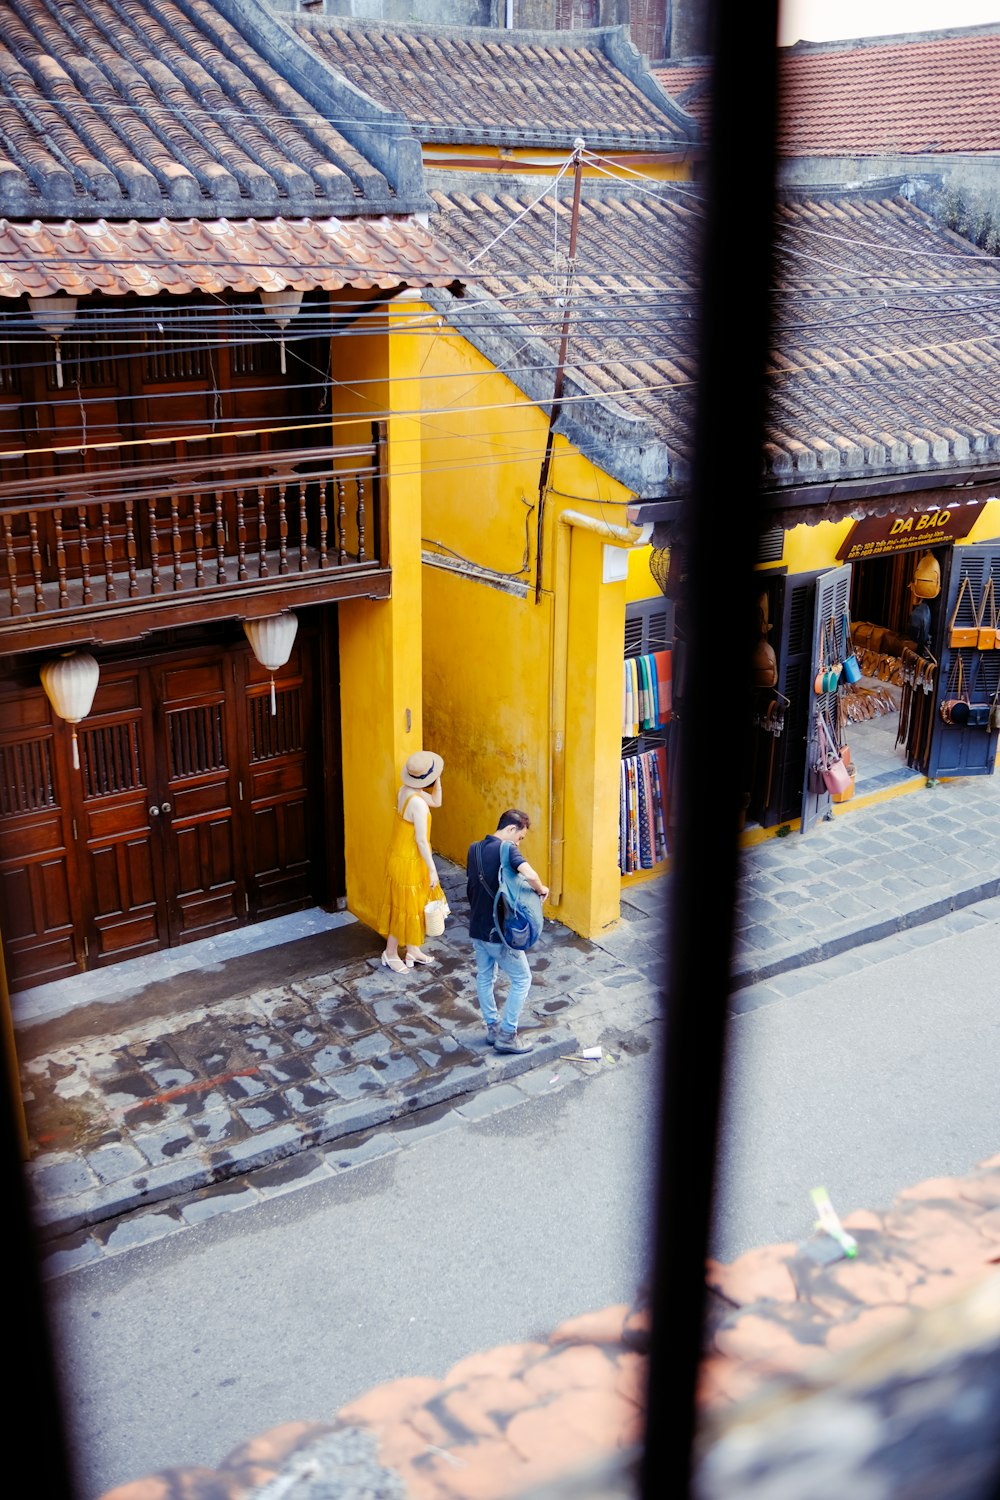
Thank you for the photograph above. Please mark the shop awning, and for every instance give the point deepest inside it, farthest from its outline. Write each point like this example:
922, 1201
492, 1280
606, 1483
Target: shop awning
178, 256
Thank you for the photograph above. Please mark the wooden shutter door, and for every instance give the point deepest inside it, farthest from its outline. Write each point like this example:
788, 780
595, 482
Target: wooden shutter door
832, 598
957, 751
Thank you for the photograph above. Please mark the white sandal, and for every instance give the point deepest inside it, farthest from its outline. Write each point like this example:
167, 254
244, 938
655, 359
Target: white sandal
418, 958
394, 962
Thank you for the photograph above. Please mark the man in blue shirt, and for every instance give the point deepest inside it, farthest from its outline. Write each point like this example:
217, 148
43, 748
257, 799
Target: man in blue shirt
482, 869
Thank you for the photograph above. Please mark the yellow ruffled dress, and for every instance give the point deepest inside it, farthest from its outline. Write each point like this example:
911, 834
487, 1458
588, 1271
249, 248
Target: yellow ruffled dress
407, 884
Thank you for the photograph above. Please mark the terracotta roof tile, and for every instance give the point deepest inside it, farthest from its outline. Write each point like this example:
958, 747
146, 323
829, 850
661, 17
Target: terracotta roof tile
180, 256
464, 83
153, 106
888, 352
896, 96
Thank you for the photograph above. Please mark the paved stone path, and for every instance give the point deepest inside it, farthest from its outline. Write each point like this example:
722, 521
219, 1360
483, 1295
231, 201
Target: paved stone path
302, 1058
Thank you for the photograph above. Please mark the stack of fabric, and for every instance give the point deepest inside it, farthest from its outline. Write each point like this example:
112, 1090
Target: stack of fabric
642, 836
645, 693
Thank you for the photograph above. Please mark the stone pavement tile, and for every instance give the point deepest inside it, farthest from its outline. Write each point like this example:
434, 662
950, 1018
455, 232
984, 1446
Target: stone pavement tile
291, 1069
306, 1098
223, 1197
169, 1144
138, 1229
753, 997
797, 981
260, 1114
292, 1172
759, 937
408, 1130
114, 1161
547, 1079
71, 1253
481, 1105
260, 1149
342, 1155
339, 1120
60, 1176
422, 1093
387, 1071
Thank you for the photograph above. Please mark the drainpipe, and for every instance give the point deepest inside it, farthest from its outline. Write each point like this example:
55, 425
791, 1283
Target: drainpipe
627, 537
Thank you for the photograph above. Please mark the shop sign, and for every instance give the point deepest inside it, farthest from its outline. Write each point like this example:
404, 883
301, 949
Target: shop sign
878, 536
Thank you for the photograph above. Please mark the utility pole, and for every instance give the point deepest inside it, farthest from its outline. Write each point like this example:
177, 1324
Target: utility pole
543, 478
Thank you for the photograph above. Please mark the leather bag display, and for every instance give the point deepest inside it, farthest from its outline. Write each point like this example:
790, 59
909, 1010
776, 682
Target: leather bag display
852, 667
831, 765
927, 578
987, 617
963, 635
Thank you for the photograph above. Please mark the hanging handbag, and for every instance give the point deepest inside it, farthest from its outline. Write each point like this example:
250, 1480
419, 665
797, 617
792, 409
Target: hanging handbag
979, 711
827, 679
994, 724
435, 911
955, 706
852, 667
963, 635
927, 578
765, 665
987, 636
831, 767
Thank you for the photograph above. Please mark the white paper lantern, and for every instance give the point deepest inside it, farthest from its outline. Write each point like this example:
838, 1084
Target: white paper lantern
282, 307
272, 639
54, 315
70, 682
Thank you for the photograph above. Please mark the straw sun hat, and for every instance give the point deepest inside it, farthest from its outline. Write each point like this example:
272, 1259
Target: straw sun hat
422, 770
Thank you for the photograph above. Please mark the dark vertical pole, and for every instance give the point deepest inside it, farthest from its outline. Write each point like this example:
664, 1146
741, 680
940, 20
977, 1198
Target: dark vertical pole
34, 1407
560, 380
720, 528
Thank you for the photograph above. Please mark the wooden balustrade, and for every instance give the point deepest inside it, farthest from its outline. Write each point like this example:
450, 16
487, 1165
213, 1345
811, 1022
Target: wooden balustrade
123, 537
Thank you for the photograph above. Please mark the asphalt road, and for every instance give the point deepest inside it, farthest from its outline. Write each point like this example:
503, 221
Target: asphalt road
490, 1232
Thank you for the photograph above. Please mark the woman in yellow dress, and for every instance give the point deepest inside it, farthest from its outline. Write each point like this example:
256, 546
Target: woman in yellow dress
411, 874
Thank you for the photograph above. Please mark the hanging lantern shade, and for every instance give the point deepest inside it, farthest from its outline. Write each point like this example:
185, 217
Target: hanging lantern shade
53, 316
271, 639
282, 307
70, 682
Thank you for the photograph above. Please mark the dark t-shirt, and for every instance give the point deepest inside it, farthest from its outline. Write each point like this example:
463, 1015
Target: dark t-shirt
481, 901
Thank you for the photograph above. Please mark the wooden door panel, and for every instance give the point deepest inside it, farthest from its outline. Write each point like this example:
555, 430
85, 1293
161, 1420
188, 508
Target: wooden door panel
202, 843
283, 825
118, 829
37, 911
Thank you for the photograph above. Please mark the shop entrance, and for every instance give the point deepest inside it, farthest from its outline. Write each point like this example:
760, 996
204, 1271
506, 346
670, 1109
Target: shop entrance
194, 809
913, 653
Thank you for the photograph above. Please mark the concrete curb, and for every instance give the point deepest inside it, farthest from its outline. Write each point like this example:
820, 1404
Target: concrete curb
58, 1217
851, 935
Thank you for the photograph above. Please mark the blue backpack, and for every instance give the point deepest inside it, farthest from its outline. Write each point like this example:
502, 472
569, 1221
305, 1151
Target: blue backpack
522, 921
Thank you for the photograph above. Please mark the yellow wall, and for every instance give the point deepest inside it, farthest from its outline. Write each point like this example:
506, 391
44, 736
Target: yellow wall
493, 658
380, 665
523, 160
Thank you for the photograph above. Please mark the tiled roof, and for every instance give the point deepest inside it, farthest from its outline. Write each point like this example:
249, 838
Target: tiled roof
897, 96
933, 95
888, 358
687, 81
140, 108
211, 255
478, 84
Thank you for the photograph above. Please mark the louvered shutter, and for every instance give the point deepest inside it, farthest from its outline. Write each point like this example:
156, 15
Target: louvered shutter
957, 751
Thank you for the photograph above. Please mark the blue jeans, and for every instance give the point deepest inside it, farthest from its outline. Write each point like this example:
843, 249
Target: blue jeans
489, 958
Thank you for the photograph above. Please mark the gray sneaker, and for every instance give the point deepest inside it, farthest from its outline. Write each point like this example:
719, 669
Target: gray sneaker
511, 1043
491, 1034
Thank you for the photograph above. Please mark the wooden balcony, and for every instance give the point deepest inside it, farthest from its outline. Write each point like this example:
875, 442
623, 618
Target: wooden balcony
110, 554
